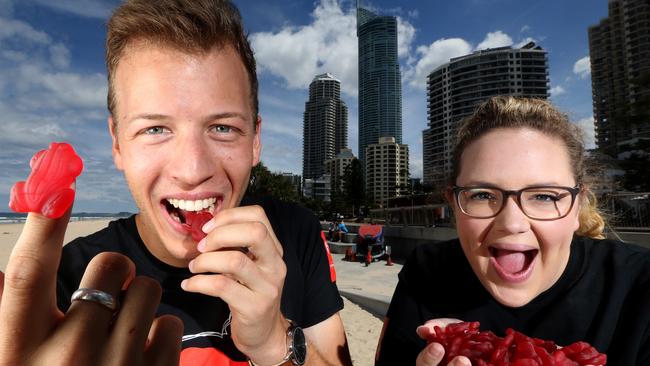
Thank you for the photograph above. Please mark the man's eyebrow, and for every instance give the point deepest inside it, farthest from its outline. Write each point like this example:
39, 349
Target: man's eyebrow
150, 116
225, 115
211, 117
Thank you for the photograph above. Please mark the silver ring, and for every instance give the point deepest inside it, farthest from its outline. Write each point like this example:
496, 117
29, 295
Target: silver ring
96, 296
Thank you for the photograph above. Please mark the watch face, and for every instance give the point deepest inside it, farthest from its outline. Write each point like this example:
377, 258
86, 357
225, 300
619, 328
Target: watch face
299, 346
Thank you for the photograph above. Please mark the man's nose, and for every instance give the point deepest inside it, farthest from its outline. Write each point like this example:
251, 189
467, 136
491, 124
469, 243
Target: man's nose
191, 164
512, 219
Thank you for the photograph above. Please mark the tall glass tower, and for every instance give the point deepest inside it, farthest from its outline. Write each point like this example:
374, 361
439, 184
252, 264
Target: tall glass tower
380, 83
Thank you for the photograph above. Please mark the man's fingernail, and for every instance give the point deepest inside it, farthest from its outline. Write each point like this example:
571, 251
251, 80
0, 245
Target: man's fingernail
201, 245
208, 226
184, 284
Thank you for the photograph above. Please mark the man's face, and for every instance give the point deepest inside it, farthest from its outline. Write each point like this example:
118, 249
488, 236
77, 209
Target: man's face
185, 137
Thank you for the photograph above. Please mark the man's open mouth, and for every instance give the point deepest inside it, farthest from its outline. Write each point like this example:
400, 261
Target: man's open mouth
179, 209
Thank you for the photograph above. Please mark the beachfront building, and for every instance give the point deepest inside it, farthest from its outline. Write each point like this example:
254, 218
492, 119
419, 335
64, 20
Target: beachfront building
387, 170
619, 49
455, 88
380, 84
318, 188
325, 125
336, 167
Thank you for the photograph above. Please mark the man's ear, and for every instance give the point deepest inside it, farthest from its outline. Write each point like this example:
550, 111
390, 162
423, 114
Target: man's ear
115, 149
257, 141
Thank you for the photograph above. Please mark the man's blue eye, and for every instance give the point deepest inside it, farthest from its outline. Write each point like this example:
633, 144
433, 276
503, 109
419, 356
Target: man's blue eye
222, 129
156, 130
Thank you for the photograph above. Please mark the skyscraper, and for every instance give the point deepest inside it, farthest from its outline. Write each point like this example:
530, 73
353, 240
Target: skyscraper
380, 84
325, 125
455, 88
619, 49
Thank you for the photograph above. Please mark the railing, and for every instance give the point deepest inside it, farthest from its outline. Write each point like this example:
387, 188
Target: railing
628, 210
625, 211
424, 215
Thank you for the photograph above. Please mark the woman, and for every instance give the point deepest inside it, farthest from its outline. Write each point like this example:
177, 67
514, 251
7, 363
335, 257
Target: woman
530, 253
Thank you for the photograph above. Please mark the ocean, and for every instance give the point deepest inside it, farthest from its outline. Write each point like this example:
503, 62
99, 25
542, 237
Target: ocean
19, 218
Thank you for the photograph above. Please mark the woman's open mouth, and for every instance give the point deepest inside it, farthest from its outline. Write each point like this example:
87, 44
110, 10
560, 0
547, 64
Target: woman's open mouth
513, 265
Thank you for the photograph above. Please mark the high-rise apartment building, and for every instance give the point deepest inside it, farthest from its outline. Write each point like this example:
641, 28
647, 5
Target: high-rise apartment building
325, 125
387, 169
380, 84
619, 49
455, 88
336, 167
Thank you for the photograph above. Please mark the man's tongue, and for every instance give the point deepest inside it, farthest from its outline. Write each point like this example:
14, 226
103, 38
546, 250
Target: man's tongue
510, 261
195, 221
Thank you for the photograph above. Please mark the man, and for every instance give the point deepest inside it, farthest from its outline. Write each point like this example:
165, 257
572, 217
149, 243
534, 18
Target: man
186, 132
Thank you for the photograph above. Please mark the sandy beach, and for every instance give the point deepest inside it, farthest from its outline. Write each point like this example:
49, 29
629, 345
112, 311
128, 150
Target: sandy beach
362, 328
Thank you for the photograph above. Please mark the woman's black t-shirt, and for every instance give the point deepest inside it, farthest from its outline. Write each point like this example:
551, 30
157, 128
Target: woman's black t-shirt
603, 298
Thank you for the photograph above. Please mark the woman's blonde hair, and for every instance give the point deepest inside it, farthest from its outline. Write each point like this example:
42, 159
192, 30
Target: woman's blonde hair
542, 116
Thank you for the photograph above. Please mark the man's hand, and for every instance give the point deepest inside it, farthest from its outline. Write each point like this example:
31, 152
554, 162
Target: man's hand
241, 262
34, 332
433, 353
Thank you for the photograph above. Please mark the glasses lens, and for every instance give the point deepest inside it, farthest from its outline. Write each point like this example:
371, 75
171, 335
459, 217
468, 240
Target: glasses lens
480, 202
546, 203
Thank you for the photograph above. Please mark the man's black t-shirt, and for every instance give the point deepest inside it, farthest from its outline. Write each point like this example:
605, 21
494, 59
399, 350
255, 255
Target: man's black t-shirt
603, 298
309, 295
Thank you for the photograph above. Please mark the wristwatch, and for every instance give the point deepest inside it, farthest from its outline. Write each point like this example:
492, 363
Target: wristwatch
297, 352
296, 347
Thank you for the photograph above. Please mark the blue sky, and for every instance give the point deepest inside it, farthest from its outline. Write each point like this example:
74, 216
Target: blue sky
53, 81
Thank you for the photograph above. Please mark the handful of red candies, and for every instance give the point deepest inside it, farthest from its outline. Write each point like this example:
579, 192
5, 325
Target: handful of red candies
487, 349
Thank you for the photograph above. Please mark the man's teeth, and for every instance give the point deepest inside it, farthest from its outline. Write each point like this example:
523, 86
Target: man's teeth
197, 205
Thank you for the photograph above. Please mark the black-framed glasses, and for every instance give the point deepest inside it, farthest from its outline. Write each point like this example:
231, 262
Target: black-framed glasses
538, 202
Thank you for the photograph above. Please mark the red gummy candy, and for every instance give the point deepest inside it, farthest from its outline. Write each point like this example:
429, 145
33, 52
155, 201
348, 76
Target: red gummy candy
516, 349
196, 220
47, 190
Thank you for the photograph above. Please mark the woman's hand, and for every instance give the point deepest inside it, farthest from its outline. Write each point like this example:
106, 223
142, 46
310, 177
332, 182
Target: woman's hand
434, 353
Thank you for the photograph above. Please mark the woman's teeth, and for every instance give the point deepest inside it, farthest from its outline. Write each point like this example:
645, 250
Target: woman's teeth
197, 205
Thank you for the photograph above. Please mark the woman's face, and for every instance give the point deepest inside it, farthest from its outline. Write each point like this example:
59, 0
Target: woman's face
515, 257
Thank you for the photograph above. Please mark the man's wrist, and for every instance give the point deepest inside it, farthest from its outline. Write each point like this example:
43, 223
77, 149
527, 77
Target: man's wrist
276, 356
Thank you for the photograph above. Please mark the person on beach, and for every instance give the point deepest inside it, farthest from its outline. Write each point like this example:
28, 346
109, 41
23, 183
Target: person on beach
186, 132
530, 253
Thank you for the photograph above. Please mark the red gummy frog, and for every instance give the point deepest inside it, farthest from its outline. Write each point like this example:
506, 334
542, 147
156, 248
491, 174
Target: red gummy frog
48, 189
196, 220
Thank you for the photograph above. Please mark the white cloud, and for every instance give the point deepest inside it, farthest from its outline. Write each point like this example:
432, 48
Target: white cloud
589, 134
494, 40
582, 67
524, 29
524, 42
327, 44
60, 55
434, 55
557, 91
11, 28
405, 36
85, 8
297, 54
